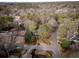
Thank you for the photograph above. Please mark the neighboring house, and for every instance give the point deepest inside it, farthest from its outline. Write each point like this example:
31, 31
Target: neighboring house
17, 21
74, 43
74, 38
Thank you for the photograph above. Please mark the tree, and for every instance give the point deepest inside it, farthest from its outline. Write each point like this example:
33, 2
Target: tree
30, 37
66, 26
44, 30
31, 16
5, 22
30, 25
65, 43
4, 10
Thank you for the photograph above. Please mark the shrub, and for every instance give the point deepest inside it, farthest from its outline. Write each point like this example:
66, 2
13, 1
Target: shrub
30, 25
31, 16
66, 26
5, 21
44, 30
65, 43
30, 38
60, 17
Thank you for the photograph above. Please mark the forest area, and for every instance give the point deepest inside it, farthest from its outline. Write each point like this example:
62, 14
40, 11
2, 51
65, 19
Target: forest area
39, 30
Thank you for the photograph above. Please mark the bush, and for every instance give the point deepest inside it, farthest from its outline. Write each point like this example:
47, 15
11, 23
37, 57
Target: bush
65, 43
30, 25
60, 17
31, 16
30, 38
44, 30
67, 25
5, 22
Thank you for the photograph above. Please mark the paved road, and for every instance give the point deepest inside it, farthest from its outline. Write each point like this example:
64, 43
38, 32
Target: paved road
29, 49
55, 47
